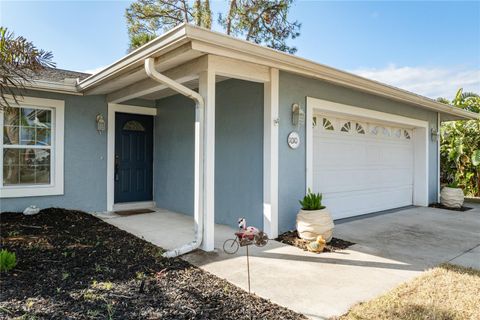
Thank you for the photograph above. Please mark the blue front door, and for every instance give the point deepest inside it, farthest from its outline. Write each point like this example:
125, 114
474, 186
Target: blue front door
133, 157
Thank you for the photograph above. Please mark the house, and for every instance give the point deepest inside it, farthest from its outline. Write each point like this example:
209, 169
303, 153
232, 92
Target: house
204, 124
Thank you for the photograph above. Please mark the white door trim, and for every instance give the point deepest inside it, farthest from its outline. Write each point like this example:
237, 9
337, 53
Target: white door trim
113, 108
420, 137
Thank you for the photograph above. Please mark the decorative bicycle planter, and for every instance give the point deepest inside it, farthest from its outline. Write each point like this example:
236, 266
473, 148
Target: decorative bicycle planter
245, 237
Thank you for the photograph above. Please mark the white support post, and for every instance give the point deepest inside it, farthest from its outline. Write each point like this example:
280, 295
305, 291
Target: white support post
270, 155
207, 91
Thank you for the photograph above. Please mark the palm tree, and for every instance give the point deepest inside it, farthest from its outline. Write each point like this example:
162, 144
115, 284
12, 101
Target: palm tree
19, 61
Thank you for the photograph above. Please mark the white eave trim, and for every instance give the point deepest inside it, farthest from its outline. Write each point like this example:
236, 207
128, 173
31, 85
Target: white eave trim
210, 42
262, 55
172, 38
51, 86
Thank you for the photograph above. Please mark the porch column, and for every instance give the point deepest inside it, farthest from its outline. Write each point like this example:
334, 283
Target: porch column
270, 155
207, 91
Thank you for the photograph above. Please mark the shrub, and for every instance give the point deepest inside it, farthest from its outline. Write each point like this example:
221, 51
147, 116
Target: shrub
8, 260
312, 201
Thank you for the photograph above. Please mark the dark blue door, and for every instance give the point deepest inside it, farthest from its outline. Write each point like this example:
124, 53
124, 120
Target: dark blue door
133, 157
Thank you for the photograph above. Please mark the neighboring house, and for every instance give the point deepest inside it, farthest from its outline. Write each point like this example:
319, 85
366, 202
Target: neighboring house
365, 145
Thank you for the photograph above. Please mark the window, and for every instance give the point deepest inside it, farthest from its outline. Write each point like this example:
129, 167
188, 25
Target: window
397, 132
32, 148
359, 128
346, 127
327, 124
133, 125
386, 131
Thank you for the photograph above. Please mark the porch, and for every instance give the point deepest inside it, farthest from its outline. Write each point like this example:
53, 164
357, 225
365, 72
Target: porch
215, 143
162, 227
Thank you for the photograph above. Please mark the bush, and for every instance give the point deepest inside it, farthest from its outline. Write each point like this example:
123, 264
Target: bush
8, 260
460, 146
312, 201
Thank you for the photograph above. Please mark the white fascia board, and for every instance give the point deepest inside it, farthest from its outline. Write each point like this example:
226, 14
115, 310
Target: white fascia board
223, 45
51, 86
169, 40
210, 42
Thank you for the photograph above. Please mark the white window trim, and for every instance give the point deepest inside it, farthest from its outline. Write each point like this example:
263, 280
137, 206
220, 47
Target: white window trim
113, 108
56, 187
420, 137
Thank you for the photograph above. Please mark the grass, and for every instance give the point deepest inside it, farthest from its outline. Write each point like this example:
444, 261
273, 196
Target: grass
445, 292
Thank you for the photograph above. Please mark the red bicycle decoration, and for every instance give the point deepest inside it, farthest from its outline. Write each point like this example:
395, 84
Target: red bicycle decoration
244, 237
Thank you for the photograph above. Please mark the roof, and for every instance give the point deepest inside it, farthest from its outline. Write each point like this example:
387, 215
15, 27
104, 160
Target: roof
59, 75
192, 42
57, 80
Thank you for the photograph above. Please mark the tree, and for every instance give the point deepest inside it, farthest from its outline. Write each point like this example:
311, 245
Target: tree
19, 61
460, 146
260, 21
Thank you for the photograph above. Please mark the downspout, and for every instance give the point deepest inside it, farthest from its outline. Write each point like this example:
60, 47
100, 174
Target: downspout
198, 184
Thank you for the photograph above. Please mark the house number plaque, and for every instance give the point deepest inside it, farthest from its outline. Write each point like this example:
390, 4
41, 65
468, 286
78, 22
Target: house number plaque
293, 140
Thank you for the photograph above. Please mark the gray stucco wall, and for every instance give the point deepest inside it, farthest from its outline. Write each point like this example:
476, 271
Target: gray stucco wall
238, 153
295, 89
85, 158
173, 154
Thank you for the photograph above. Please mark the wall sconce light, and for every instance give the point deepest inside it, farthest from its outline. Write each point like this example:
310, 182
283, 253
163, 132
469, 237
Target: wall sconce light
298, 115
100, 123
434, 134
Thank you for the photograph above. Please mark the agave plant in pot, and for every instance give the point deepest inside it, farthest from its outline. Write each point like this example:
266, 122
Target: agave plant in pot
313, 219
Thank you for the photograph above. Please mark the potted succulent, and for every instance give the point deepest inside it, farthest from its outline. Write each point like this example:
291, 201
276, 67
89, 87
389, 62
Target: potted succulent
313, 219
452, 196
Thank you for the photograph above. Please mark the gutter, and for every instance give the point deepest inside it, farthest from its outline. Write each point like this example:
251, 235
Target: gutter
52, 86
198, 159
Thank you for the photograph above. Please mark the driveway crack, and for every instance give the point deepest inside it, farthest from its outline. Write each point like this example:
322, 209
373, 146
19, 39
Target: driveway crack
466, 251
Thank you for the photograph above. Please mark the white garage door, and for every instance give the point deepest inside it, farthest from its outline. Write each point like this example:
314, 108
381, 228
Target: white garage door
362, 167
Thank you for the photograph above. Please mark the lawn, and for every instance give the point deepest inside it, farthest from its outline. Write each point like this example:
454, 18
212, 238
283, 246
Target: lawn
447, 292
72, 265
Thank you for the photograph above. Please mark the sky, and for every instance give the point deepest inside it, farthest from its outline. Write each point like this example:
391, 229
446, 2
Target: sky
431, 48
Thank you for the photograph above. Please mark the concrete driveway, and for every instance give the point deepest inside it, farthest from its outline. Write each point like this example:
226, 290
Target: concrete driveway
391, 248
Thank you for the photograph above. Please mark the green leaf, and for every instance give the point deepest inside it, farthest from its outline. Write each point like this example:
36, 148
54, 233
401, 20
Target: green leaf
312, 201
476, 157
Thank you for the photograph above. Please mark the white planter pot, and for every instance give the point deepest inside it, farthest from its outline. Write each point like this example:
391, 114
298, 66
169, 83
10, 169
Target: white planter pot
311, 224
452, 197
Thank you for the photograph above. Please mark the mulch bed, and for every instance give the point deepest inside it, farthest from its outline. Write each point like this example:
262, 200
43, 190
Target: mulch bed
72, 265
292, 238
441, 206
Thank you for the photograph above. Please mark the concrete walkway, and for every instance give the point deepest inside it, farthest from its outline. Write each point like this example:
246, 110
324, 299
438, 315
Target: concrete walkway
390, 249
